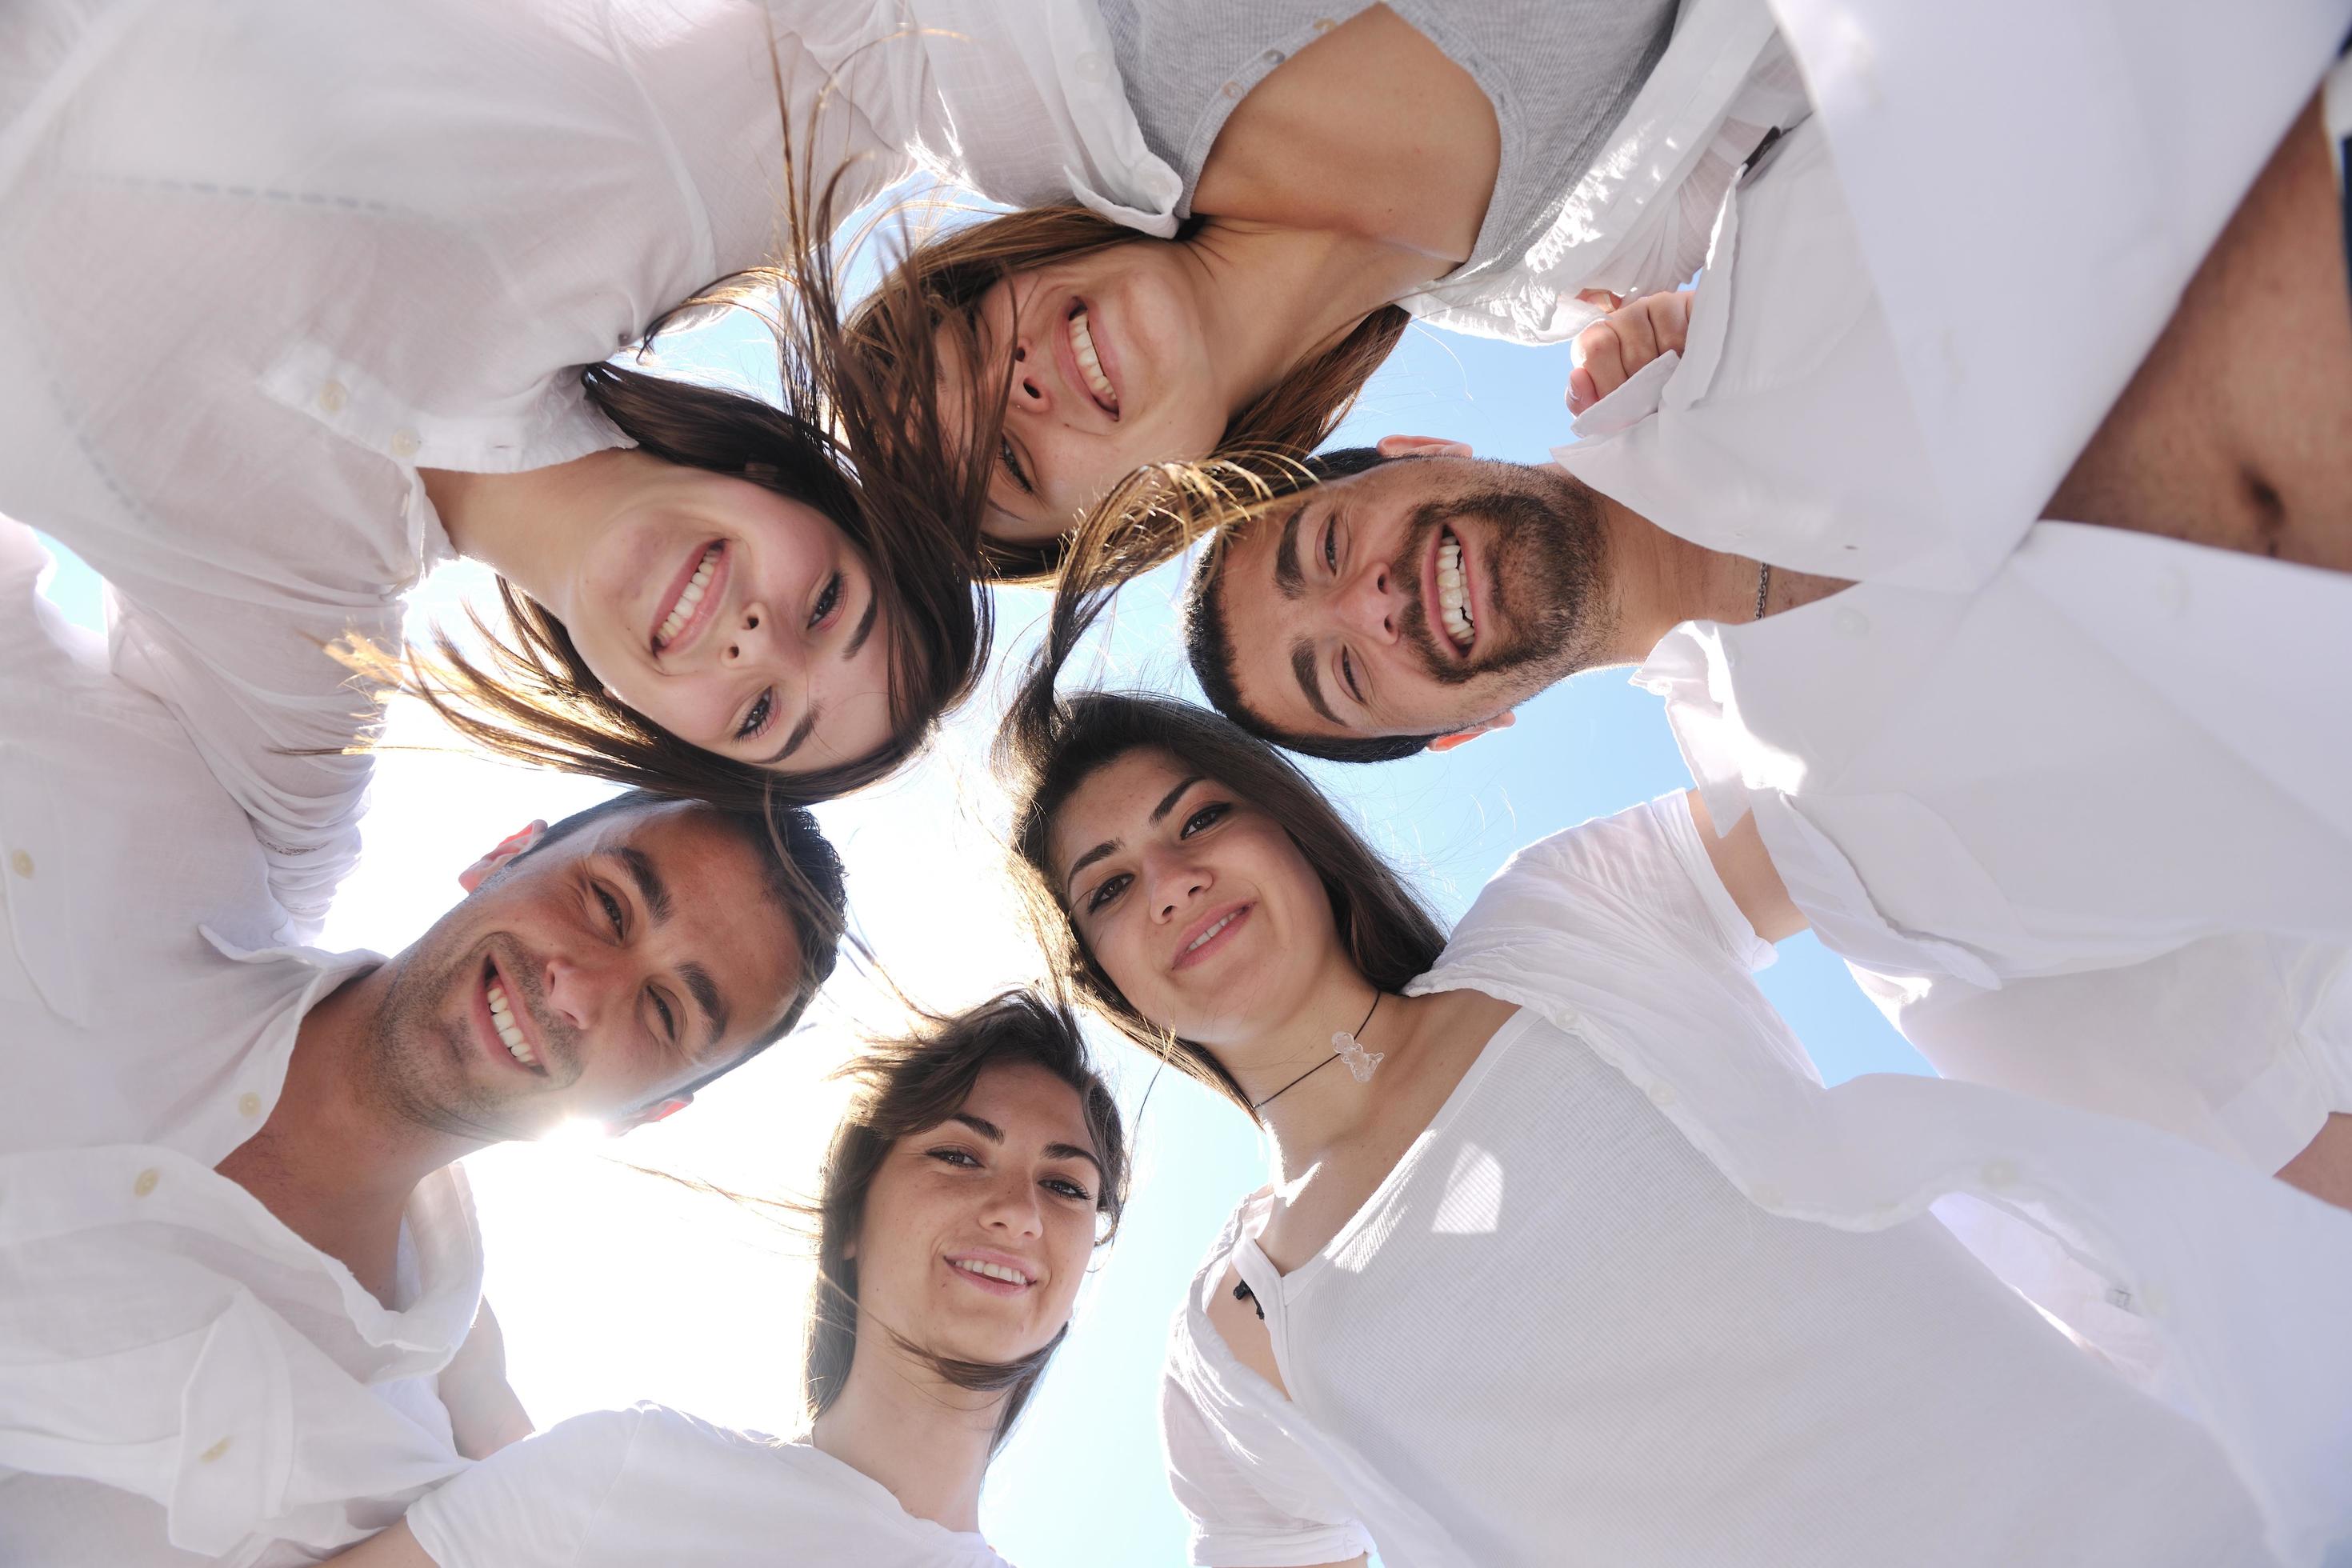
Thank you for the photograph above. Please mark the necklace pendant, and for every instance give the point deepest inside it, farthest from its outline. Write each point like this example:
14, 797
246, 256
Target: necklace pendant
1361, 1062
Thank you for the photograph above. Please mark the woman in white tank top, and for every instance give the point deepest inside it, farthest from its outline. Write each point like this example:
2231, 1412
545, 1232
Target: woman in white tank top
978, 1169
1568, 1257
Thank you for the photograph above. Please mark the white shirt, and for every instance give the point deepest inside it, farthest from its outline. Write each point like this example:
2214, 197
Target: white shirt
2215, 1289
650, 1485
179, 1372
2014, 750
260, 259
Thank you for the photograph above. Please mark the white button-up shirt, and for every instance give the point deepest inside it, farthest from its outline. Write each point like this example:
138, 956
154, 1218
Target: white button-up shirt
261, 259
2014, 751
2216, 1290
179, 1372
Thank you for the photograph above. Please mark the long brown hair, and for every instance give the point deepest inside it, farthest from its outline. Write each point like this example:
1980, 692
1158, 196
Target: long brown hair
906, 1087
858, 441
1049, 747
940, 282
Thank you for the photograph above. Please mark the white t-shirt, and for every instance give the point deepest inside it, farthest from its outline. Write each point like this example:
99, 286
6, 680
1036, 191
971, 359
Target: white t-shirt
1743, 1276
650, 1485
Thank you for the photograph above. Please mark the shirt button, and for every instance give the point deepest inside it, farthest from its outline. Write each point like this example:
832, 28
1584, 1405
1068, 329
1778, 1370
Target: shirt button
1662, 1094
146, 1181
404, 443
1091, 67
1233, 90
332, 396
248, 1104
1999, 1174
1324, 24
213, 1453
21, 862
1274, 56
1852, 623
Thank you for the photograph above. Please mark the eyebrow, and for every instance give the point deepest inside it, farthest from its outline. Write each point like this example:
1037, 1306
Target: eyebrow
1158, 814
1310, 680
1287, 578
798, 737
864, 625
658, 905
996, 1134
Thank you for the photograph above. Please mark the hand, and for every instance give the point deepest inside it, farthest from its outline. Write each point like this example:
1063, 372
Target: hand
1625, 339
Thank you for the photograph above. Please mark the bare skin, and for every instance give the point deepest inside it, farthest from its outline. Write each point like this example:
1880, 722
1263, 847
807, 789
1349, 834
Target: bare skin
2324, 1169
2236, 432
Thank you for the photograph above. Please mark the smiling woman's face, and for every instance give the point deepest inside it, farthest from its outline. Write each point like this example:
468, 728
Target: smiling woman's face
1110, 370
739, 621
1203, 910
977, 1231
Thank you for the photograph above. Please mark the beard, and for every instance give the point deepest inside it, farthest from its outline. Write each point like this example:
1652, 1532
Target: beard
421, 1040
1547, 613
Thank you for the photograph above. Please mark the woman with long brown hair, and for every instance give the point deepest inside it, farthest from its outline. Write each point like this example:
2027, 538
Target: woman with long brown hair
1567, 1254
1338, 166
306, 300
981, 1164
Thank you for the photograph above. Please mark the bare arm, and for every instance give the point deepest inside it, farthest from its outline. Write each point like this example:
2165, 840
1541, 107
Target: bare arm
485, 1416
1749, 875
394, 1548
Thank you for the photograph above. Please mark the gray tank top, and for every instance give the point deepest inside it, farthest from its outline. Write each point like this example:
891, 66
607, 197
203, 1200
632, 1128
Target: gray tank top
1560, 75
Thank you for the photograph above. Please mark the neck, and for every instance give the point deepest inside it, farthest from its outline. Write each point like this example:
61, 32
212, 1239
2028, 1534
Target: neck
528, 527
335, 1167
925, 1441
1306, 1117
1272, 299
1662, 580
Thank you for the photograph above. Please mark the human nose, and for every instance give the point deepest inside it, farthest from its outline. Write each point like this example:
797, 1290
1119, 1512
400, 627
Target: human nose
1368, 604
578, 990
1030, 393
1177, 882
1012, 1208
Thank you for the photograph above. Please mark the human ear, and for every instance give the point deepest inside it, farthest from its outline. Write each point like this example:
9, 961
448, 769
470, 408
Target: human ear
1502, 720
659, 1110
1422, 447
512, 845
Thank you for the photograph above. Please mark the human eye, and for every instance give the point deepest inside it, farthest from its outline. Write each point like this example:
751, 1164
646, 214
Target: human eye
669, 1018
826, 601
1012, 462
1348, 676
960, 1158
611, 906
755, 720
1111, 888
1068, 1189
1331, 542
1208, 816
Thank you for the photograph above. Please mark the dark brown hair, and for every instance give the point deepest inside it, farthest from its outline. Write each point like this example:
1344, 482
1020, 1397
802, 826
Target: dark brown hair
908, 1086
850, 438
1049, 747
940, 282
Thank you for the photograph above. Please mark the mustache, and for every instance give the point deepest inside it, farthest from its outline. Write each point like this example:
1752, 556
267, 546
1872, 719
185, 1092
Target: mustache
520, 976
1502, 511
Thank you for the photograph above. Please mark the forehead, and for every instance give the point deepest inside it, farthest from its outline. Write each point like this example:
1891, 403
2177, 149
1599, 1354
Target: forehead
720, 912
1112, 802
1030, 1104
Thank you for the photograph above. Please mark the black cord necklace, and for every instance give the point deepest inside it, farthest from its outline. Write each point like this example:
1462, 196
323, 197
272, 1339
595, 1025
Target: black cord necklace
1325, 1062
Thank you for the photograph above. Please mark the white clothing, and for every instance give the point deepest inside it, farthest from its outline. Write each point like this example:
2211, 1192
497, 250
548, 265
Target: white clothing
1850, 402
260, 259
652, 1485
176, 1365
2217, 1291
2014, 750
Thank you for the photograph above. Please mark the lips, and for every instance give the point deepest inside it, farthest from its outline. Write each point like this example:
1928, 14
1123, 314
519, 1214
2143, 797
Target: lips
692, 599
1209, 934
997, 1273
512, 1036
1085, 359
1446, 587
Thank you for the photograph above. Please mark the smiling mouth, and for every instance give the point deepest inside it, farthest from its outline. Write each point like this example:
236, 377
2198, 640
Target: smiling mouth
503, 1020
1082, 349
686, 607
1207, 936
1454, 592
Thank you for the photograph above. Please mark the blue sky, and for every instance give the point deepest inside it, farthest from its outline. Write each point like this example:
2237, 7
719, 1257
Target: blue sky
611, 1292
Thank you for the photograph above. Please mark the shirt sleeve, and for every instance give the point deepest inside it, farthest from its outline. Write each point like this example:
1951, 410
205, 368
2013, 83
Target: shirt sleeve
1251, 1509
533, 1504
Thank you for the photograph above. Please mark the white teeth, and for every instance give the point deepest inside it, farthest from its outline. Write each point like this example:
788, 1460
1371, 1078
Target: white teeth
1202, 939
991, 1270
502, 1018
1082, 344
683, 611
1452, 594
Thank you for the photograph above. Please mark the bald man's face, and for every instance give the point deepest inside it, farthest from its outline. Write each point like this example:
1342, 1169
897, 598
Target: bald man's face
1427, 596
